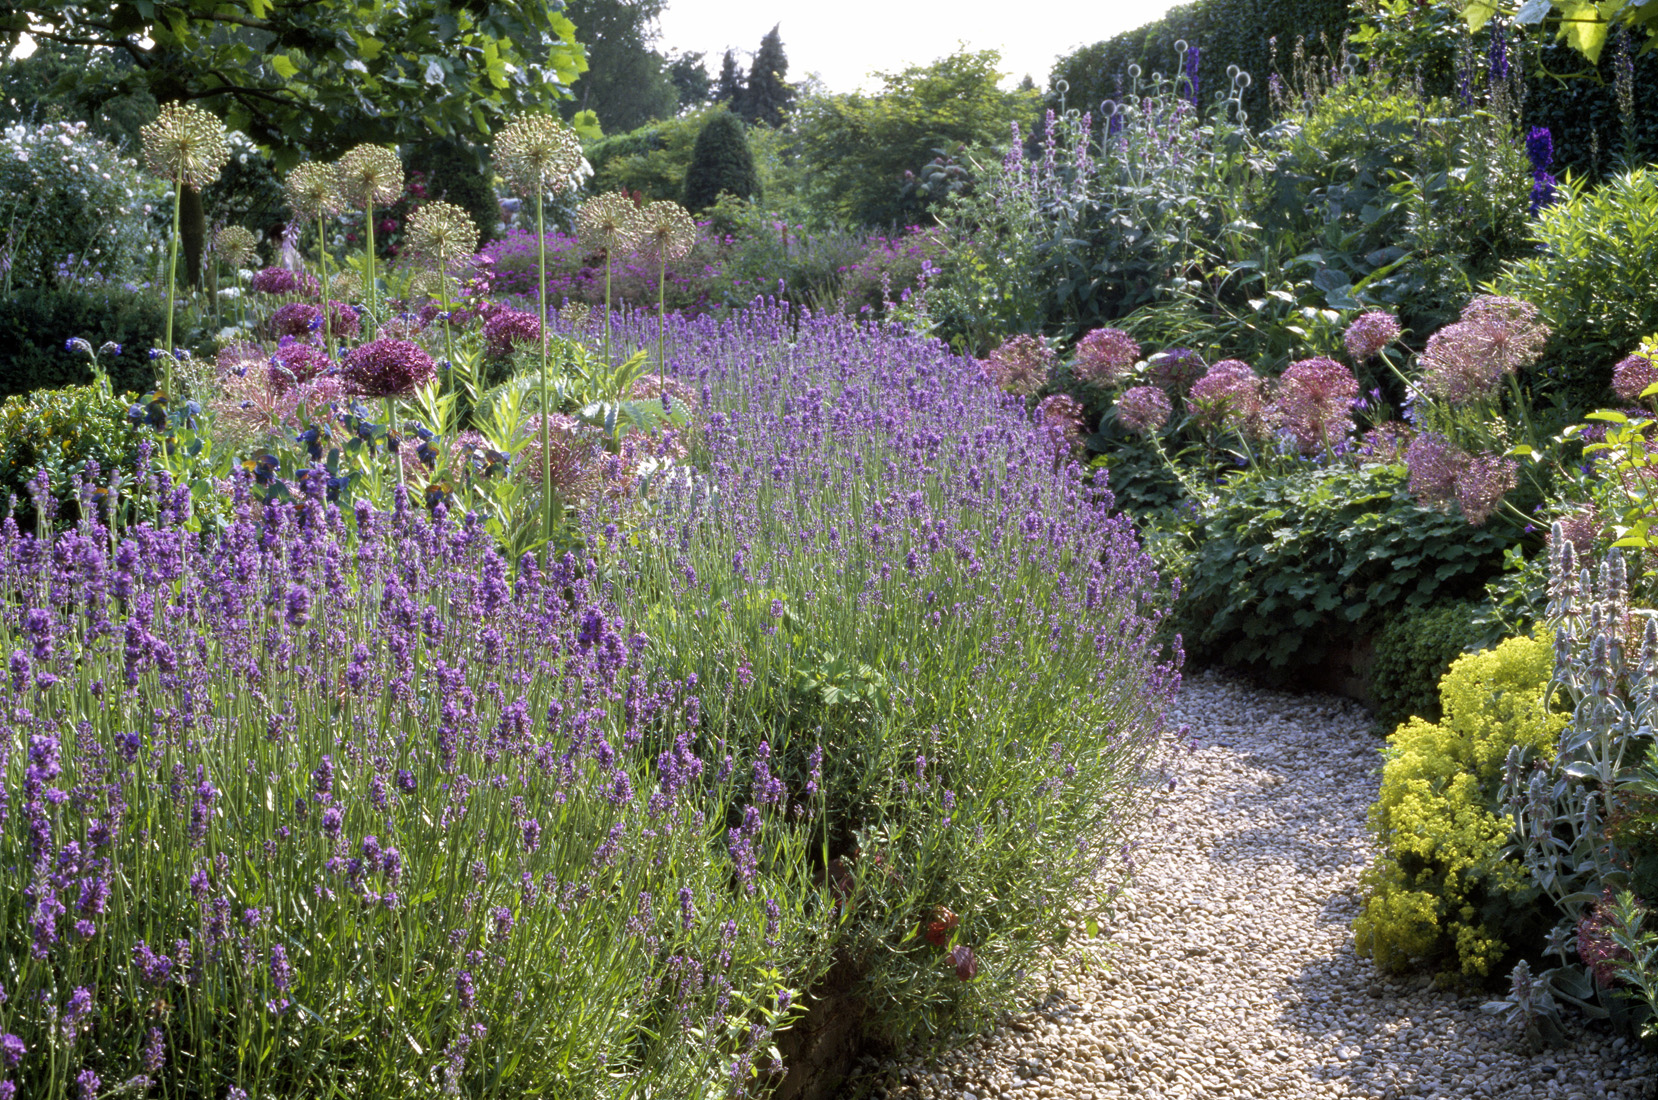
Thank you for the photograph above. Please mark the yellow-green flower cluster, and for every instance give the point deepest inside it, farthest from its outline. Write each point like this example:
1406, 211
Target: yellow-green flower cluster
441, 231
186, 144
370, 175
610, 223
537, 153
235, 245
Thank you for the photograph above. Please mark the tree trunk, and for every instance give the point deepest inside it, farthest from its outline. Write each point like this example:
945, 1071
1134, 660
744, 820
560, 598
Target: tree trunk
192, 235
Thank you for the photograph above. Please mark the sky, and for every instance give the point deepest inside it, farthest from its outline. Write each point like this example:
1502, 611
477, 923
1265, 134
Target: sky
844, 42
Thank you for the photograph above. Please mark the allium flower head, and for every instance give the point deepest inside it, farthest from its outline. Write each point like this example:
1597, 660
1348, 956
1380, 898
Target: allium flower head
386, 368
441, 232
506, 329
1483, 483
279, 280
1229, 394
1369, 334
185, 143
1519, 334
677, 394
293, 319
313, 190
1461, 363
1020, 365
370, 175
537, 153
668, 233
609, 223
1386, 443
347, 284
1436, 465
1143, 409
1061, 413
296, 364
1176, 369
235, 245
1314, 402
1578, 528
1105, 356
576, 452
1633, 375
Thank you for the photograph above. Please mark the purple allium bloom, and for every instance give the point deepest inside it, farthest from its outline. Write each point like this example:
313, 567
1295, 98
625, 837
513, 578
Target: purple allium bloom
1313, 403
295, 364
298, 319
11, 1050
275, 280
387, 368
1369, 334
1436, 466
1632, 376
1232, 395
1483, 483
1061, 414
1175, 369
1143, 409
509, 328
1105, 356
1386, 443
1020, 365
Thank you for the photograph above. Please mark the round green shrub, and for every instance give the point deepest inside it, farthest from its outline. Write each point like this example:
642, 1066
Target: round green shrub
1440, 891
61, 430
720, 164
1413, 652
36, 323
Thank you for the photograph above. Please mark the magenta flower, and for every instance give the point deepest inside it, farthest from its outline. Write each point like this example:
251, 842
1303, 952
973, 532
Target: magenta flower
509, 328
1232, 395
1105, 356
1175, 369
279, 280
1484, 481
1632, 376
1314, 402
295, 365
1435, 465
387, 368
1369, 334
1020, 365
1143, 409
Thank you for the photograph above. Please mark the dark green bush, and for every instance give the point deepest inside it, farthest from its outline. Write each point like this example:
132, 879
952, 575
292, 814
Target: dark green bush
453, 171
1413, 651
61, 429
720, 164
1288, 564
35, 324
1591, 279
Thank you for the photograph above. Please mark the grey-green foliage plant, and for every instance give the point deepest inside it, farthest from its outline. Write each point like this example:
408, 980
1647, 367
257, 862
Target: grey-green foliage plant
1287, 563
1561, 808
1591, 279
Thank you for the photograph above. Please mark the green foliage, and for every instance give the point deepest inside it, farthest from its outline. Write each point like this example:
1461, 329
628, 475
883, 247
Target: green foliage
688, 72
1591, 280
627, 83
68, 208
1441, 887
61, 430
860, 147
720, 164
35, 324
767, 98
650, 161
1287, 563
766, 255
456, 172
322, 76
1229, 32
1413, 651
1582, 24
76, 84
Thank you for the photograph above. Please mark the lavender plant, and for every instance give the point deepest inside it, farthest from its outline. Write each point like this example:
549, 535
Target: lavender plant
882, 568
346, 804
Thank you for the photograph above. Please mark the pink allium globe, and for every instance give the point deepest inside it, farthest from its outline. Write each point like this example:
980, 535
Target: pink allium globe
1020, 365
279, 280
1436, 466
1230, 394
295, 363
298, 319
1483, 484
387, 368
1061, 414
1314, 403
1369, 334
1105, 356
1632, 376
1175, 369
510, 328
1143, 409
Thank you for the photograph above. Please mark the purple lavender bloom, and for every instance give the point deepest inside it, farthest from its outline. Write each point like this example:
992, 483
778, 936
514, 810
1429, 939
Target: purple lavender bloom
466, 991
11, 1051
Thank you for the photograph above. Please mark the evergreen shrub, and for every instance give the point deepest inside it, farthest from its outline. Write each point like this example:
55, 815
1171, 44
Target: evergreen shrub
1413, 651
35, 324
720, 164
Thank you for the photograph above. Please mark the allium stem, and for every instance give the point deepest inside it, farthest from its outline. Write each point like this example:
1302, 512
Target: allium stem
546, 451
368, 218
607, 252
172, 275
662, 314
327, 306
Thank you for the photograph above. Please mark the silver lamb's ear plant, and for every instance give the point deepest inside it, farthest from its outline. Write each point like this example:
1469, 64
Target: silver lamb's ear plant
1560, 806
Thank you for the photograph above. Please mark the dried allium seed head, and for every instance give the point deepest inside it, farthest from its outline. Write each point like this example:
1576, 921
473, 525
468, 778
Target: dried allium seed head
185, 143
235, 245
441, 232
609, 222
669, 234
313, 190
387, 368
370, 175
346, 285
536, 153
576, 452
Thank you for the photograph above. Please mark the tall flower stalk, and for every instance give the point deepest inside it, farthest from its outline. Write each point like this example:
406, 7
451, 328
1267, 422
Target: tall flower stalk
314, 192
668, 234
442, 232
188, 146
610, 222
537, 154
370, 175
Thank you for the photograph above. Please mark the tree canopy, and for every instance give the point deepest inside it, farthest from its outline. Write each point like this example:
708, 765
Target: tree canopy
627, 83
767, 97
314, 77
1583, 24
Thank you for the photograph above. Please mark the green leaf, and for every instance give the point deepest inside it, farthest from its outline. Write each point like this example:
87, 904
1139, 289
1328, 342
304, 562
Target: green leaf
284, 67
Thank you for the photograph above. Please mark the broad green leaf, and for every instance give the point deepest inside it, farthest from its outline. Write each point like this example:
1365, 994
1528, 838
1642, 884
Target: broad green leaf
1477, 13
284, 66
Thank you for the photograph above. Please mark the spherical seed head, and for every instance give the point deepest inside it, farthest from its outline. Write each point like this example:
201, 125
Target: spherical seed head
1143, 409
669, 232
609, 222
185, 143
313, 190
235, 245
441, 230
345, 286
536, 153
370, 175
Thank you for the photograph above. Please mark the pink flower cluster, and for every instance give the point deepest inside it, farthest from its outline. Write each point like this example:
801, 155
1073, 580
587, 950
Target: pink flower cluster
279, 280
1441, 472
1060, 414
1143, 409
1175, 369
1632, 376
1230, 395
1105, 356
1020, 365
1369, 334
508, 328
294, 364
387, 368
303, 319
1466, 360
1314, 403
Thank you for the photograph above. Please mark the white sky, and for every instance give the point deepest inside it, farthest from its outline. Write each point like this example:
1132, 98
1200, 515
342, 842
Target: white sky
844, 42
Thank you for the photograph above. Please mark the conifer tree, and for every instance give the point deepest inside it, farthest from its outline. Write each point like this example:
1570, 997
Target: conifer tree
767, 97
720, 163
728, 89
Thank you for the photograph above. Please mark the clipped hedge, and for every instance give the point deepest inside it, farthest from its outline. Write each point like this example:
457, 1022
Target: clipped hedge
1214, 27
35, 324
1413, 651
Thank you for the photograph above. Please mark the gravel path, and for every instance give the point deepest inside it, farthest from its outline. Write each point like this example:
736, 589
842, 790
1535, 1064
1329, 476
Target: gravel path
1232, 972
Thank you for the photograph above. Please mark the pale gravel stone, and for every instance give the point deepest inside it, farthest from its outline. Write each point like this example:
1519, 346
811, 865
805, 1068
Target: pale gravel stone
1232, 974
